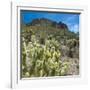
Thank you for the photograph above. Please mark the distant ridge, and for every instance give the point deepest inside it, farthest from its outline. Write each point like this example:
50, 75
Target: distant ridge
47, 22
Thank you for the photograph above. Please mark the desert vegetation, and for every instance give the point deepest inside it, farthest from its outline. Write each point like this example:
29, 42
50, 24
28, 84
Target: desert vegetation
48, 49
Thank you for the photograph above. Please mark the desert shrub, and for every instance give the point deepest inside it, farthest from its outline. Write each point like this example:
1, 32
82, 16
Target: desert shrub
73, 45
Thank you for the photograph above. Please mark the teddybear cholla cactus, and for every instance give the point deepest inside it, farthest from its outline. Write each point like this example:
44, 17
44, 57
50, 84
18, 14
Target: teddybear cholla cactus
41, 60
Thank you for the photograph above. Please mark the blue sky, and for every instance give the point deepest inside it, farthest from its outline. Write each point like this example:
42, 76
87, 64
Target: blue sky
72, 20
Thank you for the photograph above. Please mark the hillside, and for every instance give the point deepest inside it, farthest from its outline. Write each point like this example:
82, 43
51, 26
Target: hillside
40, 30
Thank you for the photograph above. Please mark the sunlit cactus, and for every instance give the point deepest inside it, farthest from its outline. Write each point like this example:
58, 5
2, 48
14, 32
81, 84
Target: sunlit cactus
42, 60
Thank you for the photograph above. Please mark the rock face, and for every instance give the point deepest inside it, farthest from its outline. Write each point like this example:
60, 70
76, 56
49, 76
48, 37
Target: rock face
47, 22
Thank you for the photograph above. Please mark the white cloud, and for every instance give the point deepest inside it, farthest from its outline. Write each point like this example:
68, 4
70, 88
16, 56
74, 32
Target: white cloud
74, 28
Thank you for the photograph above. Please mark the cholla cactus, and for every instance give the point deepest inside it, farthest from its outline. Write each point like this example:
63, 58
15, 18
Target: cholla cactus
43, 60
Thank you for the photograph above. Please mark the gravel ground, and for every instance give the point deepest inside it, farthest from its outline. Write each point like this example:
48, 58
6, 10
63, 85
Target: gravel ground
73, 65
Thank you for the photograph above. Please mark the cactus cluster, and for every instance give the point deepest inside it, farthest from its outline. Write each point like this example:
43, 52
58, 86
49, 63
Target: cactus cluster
42, 60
